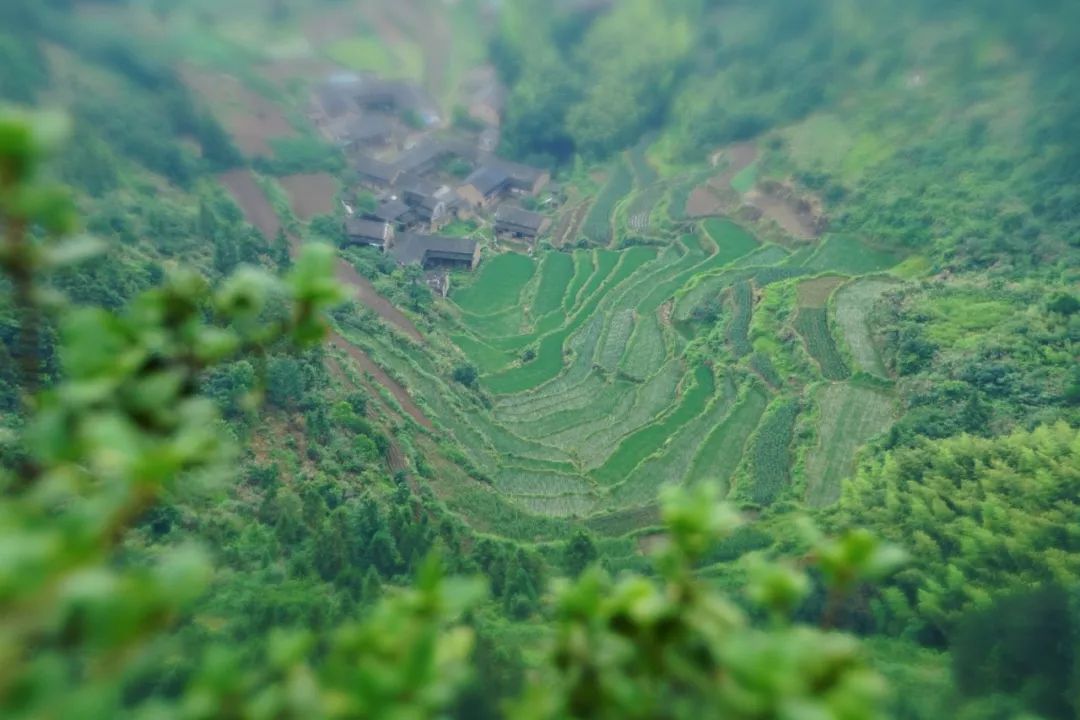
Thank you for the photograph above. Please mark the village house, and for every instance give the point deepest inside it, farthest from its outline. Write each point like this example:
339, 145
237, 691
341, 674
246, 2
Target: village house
433, 205
518, 222
484, 187
435, 251
355, 132
523, 178
361, 231
375, 173
392, 211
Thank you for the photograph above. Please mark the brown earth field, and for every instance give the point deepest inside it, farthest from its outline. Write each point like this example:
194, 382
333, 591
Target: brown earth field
250, 119
814, 293
794, 217
706, 199
251, 199
310, 194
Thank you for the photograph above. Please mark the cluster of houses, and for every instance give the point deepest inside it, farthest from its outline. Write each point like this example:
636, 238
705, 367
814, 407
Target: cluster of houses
391, 133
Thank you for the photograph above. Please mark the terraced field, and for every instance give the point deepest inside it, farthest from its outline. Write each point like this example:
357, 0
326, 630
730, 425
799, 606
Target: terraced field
849, 415
605, 373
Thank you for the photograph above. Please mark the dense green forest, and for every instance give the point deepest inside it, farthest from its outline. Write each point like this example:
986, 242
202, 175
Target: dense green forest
779, 418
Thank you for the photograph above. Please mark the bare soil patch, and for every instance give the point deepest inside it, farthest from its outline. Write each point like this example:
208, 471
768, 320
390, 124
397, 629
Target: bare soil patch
251, 199
739, 157
250, 119
815, 293
310, 194
798, 217
703, 202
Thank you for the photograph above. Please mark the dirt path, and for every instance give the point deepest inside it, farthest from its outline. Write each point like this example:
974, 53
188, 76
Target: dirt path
370, 367
366, 294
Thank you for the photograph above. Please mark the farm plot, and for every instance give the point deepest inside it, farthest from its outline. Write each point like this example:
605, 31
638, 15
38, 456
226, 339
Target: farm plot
516, 481
846, 254
643, 443
558, 506
556, 272
639, 213
853, 303
598, 407
813, 325
673, 463
549, 355
597, 227
615, 340
533, 410
815, 293
722, 450
582, 347
497, 324
646, 351
732, 241
486, 358
650, 401
849, 415
498, 284
770, 453
584, 265
742, 308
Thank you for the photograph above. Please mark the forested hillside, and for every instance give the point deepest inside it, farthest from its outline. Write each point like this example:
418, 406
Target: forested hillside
798, 265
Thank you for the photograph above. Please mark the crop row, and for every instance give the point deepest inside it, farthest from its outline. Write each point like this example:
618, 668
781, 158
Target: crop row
763, 366
720, 454
853, 304
813, 325
582, 347
646, 351
651, 400
516, 481
553, 321
549, 354
497, 285
597, 227
423, 379
559, 506
599, 408
584, 266
639, 211
770, 453
615, 339
644, 442
556, 271
742, 307
536, 408
848, 416
674, 462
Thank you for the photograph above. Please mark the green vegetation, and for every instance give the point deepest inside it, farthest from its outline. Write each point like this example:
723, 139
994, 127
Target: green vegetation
497, 285
769, 456
848, 415
813, 325
876, 326
598, 224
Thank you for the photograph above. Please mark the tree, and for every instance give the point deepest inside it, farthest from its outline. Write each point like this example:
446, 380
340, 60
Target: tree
466, 374
580, 552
